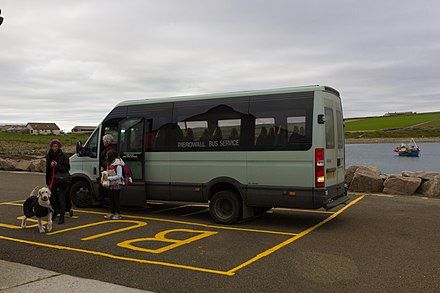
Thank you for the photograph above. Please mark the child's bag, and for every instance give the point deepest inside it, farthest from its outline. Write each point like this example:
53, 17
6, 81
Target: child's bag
127, 176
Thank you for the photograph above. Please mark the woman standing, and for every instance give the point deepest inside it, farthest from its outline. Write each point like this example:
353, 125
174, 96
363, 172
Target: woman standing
57, 178
114, 169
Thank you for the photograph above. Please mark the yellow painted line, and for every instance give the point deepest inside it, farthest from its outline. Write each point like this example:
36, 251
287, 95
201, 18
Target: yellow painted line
304, 211
12, 203
13, 226
103, 254
189, 223
161, 237
194, 224
137, 225
298, 236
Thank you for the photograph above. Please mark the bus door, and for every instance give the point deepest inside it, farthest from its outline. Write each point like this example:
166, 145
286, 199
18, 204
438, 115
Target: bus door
131, 150
331, 156
340, 160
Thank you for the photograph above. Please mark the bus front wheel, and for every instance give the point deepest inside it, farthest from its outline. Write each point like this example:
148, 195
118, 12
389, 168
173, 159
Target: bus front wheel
81, 194
225, 207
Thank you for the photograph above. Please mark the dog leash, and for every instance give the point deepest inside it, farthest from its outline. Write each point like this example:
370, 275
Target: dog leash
53, 178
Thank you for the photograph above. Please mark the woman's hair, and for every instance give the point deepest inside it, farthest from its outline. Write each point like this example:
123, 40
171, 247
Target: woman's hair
111, 156
108, 138
55, 141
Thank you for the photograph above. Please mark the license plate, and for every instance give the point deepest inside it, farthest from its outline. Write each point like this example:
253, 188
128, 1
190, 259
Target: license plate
330, 174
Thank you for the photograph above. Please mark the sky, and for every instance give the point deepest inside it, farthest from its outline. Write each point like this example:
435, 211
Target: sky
71, 62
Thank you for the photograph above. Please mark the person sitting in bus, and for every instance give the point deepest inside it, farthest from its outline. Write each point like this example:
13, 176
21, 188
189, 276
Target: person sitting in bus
281, 139
189, 135
262, 137
205, 135
295, 136
270, 137
234, 134
217, 134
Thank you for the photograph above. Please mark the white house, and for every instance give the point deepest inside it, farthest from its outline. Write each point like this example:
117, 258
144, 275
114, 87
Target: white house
43, 128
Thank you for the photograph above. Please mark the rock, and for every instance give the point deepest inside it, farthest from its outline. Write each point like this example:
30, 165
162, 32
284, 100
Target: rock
430, 188
22, 165
366, 180
349, 173
38, 165
7, 165
425, 176
397, 184
369, 169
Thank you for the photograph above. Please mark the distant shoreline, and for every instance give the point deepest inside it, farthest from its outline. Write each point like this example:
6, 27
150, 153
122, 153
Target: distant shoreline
390, 140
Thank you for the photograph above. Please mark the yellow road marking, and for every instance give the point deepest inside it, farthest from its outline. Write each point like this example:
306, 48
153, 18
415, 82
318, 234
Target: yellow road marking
138, 224
60, 247
194, 224
228, 273
304, 211
290, 240
161, 237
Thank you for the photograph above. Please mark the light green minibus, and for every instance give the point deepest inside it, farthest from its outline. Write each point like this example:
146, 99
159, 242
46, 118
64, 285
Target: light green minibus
243, 152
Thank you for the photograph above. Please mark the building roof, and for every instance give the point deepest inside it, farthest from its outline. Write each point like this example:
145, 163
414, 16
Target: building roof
42, 126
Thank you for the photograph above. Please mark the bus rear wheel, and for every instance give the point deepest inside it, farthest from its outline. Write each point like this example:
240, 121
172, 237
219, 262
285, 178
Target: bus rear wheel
225, 207
81, 194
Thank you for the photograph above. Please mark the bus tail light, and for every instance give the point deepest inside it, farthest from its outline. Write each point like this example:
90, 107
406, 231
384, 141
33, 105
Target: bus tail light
319, 168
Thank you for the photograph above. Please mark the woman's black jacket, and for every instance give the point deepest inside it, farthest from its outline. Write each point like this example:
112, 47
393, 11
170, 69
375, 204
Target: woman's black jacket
63, 164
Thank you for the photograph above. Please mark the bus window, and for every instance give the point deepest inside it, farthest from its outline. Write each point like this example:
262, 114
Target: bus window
90, 148
329, 128
264, 132
296, 131
230, 128
282, 122
131, 138
340, 130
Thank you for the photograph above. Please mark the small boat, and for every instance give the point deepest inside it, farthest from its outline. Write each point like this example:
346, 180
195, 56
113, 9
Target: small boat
408, 150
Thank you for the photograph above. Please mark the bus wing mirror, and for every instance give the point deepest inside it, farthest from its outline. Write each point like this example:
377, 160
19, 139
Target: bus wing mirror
78, 147
321, 119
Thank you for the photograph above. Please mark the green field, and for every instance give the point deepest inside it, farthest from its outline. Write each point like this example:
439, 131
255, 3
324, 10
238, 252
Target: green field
69, 139
416, 125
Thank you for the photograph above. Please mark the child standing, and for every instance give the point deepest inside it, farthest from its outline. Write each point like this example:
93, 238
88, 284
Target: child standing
114, 168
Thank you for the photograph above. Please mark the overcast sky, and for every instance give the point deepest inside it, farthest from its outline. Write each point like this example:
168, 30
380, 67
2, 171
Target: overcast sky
71, 62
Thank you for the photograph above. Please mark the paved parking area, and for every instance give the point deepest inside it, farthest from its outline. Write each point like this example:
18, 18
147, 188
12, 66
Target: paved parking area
376, 244
198, 244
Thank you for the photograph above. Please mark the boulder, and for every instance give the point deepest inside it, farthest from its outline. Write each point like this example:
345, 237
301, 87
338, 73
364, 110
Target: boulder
430, 188
369, 169
397, 184
425, 176
22, 165
38, 165
349, 173
6, 164
366, 180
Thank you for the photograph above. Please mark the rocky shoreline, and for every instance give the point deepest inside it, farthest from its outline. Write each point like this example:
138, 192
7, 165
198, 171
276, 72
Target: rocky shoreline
359, 179
369, 179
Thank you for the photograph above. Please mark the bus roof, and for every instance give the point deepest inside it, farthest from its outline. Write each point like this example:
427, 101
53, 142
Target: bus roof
230, 94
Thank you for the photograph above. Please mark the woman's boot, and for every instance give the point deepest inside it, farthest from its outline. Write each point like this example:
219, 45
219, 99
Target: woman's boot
61, 220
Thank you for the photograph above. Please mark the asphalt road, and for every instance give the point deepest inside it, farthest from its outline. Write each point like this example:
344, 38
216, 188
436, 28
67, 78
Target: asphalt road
376, 243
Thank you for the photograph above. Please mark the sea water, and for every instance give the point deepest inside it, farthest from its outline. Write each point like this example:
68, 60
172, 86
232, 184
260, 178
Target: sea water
382, 156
